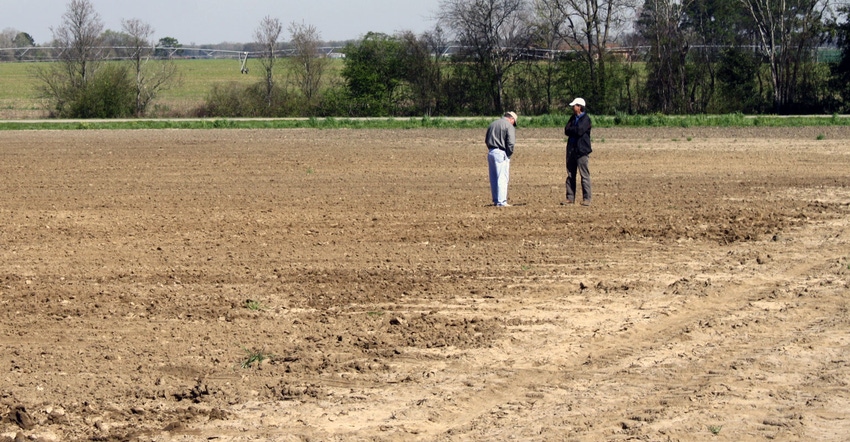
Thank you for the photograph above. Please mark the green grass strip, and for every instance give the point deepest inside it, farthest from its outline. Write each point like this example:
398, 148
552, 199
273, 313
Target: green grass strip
543, 121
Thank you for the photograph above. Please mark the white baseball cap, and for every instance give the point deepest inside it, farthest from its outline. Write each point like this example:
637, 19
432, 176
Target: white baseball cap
579, 101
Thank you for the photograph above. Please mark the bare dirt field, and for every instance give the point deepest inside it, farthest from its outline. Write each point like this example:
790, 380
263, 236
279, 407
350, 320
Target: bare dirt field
336, 285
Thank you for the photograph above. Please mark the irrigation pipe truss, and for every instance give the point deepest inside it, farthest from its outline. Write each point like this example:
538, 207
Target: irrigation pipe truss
45, 53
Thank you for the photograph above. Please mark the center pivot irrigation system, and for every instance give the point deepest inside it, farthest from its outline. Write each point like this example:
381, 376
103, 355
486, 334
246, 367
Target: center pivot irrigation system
46, 53
243, 57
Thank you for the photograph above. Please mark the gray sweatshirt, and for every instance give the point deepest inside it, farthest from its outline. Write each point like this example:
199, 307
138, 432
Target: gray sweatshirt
501, 134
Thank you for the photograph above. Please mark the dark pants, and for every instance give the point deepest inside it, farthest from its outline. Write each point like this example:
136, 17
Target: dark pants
579, 165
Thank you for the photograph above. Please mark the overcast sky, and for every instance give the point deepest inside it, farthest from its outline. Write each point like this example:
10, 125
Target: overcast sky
217, 21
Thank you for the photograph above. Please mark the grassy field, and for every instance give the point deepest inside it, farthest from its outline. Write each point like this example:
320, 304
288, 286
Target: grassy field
20, 102
19, 94
17, 88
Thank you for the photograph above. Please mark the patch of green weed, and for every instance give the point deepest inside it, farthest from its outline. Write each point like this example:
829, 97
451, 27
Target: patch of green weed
715, 429
254, 357
253, 305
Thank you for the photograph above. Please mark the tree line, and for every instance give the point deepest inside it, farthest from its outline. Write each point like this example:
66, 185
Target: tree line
487, 56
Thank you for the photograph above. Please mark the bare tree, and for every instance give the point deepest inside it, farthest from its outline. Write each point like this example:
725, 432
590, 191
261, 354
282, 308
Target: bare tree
7, 38
548, 21
588, 26
267, 35
77, 40
7, 41
431, 89
149, 78
788, 31
308, 63
495, 33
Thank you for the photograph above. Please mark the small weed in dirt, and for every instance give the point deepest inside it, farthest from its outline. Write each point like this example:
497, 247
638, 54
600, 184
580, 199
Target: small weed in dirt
254, 357
715, 429
310, 171
374, 313
254, 305
820, 137
690, 138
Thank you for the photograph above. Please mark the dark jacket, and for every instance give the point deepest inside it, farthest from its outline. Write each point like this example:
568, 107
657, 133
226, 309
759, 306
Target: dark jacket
578, 132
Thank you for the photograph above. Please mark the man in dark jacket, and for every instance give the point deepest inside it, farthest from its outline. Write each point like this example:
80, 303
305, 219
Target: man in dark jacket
578, 151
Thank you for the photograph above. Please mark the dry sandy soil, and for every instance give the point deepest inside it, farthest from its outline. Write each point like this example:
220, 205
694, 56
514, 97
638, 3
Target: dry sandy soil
335, 285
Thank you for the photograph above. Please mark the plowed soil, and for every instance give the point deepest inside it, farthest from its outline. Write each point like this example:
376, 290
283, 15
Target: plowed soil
336, 285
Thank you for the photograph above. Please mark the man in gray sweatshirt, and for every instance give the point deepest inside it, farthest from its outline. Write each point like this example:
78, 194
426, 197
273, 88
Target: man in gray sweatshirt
500, 140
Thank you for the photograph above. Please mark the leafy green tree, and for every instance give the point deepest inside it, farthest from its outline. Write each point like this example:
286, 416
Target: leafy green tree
169, 42
114, 38
374, 71
167, 47
741, 86
468, 93
23, 40
114, 44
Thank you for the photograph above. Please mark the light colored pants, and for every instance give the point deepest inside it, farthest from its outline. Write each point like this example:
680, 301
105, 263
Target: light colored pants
500, 170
